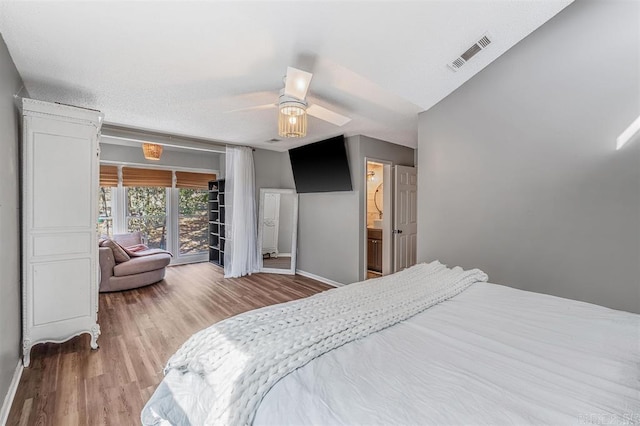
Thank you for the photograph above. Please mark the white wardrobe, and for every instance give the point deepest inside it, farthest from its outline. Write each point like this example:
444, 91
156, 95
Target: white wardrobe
59, 231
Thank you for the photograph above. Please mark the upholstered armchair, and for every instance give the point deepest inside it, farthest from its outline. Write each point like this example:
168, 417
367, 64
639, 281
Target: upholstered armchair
124, 266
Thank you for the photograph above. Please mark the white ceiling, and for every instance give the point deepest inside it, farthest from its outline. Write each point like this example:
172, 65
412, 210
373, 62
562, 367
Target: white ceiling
180, 67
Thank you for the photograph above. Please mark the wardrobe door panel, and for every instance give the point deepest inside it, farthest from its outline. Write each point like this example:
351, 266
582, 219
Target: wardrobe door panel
60, 184
52, 279
61, 244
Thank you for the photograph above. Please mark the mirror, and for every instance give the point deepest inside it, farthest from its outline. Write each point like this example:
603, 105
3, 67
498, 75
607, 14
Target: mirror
277, 230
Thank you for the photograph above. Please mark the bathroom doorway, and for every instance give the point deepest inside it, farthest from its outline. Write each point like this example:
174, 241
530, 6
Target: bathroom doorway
378, 212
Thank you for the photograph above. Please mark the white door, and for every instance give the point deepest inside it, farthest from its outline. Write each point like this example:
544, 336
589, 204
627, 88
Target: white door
271, 224
405, 221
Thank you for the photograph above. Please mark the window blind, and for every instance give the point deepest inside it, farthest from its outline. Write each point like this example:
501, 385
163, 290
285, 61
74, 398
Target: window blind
191, 180
146, 177
108, 175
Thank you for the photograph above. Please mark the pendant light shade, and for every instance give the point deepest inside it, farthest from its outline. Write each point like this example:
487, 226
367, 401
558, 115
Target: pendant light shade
292, 119
152, 151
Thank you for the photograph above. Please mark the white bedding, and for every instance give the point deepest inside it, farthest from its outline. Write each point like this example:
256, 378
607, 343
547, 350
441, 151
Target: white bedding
491, 355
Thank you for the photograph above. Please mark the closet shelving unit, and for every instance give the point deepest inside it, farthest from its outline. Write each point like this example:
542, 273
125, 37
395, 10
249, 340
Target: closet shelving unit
216, 222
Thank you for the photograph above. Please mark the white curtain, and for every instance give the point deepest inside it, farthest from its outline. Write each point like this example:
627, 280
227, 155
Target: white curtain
240, 253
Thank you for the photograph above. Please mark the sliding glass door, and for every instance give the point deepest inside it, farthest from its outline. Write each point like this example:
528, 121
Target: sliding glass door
193, 224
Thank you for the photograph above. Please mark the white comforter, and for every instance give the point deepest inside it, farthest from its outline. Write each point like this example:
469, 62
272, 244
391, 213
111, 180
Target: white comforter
491, 355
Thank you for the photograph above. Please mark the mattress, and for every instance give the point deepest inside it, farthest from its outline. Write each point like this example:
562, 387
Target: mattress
490, 355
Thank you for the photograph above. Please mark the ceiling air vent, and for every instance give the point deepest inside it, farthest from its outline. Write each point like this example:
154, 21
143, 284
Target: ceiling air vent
273, 140
481, 44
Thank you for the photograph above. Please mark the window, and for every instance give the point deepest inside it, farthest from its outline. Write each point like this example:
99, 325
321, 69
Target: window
147, 212
193, 221
169, 208
105, 218
108, 181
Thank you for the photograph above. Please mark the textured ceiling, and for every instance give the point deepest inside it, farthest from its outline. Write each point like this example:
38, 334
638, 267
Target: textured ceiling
183, 67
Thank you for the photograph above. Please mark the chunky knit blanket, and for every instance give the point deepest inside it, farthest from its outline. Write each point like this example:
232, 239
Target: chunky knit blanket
242, 357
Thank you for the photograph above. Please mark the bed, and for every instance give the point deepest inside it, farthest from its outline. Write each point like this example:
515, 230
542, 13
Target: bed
481, 354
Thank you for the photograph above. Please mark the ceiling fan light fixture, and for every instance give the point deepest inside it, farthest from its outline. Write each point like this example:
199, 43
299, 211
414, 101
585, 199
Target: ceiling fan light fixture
152, 151
292, 119
296, 83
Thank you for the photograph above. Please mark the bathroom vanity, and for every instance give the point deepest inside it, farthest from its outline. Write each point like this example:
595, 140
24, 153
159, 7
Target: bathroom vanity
374, 249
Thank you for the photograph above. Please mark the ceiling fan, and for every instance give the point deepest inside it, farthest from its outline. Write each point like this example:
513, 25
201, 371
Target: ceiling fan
293, 106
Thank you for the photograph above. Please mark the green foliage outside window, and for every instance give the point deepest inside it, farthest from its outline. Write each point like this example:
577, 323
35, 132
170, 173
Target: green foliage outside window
193, 201
193, 220
147, 212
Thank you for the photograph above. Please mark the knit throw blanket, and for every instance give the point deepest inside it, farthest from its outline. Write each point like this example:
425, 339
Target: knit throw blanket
242, 357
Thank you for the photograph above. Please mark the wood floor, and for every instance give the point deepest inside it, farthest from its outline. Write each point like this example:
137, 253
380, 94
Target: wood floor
69, 384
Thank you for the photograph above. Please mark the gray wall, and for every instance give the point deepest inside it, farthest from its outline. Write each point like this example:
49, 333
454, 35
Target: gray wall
328, 224
518, 172
331, 225
328, 235
10, 318
273, 170
191, 159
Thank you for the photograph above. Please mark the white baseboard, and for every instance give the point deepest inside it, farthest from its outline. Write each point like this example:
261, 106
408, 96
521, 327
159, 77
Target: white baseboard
11, 393
319, 278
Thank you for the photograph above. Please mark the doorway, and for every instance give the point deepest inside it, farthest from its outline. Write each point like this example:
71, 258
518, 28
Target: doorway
378, 218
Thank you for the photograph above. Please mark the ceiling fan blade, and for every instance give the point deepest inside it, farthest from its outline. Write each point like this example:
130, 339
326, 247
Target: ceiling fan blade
327, 115
297, 83
253, 108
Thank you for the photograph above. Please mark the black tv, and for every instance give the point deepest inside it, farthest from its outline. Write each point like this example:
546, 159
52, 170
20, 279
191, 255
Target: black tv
321, 167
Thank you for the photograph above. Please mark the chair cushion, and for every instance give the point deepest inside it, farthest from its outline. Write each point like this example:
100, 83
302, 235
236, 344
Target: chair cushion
130, 239
119, 254
138, 265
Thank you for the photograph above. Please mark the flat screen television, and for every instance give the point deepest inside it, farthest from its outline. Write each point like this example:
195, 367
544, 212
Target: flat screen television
321, 167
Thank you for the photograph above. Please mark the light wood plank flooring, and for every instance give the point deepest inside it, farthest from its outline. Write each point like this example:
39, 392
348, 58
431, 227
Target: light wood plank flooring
69, 384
